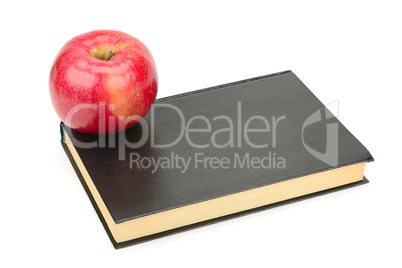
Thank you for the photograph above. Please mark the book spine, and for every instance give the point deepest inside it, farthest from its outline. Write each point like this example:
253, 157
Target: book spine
62, 132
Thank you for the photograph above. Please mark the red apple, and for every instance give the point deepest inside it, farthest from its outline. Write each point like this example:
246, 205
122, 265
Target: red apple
103, 82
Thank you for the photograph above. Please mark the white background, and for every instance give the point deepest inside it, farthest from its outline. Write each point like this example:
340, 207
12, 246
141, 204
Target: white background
348, 51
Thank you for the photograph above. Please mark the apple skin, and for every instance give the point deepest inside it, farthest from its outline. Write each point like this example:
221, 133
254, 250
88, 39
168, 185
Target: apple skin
102, 82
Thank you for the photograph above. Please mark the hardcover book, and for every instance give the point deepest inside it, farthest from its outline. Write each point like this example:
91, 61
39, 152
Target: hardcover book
214, 154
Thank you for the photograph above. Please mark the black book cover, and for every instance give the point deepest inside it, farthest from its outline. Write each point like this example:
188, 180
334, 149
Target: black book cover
274, 119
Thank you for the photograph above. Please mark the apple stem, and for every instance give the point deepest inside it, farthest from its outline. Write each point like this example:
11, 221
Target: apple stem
110, 55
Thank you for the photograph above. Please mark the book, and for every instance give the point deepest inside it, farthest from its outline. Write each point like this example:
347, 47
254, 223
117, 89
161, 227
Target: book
213, 154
